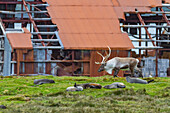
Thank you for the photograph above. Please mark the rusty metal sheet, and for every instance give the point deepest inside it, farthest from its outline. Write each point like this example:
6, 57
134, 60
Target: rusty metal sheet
167, 1
139, 3
71, 12
133, 3
119, 12
79, 2
87, 24
20, 40
96, 41
140, 9
154, 3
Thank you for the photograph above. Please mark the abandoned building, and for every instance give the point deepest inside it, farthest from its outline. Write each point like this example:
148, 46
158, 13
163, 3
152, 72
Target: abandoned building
62, 37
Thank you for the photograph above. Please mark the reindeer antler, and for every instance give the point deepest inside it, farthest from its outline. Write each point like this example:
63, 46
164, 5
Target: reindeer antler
108, 55
104, 58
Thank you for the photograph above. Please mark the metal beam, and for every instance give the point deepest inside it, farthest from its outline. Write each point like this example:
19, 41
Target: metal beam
32, 21
154, 47
42, 19
40, 5
12, 62
1, 36
56, 33
148, 40
38, 9
19, 2
43, 33
151, 12
47, 47
165, 17
21, 12
139, 26
54, 61
45, 40
166, 5
7, 53
46, 26
143, 23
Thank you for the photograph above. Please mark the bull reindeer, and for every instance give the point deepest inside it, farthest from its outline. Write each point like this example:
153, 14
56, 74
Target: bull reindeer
117, 64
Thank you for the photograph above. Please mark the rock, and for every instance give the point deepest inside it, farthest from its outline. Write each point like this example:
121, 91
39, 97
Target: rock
2, 107
43, 81
137, 80
90, 85
115, 85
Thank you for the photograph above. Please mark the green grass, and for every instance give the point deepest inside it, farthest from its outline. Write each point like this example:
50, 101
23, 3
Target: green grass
21, 96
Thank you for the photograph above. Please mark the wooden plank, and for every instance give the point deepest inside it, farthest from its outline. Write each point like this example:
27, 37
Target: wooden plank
29, 67
94, 67
86, 66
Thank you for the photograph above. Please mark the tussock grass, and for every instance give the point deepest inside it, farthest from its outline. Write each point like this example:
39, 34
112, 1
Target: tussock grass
20, 95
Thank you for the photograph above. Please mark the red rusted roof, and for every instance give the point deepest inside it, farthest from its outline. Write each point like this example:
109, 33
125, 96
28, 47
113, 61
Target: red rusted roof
122, 6
96, 41
88, 24
167, 1
20, 40
139, 3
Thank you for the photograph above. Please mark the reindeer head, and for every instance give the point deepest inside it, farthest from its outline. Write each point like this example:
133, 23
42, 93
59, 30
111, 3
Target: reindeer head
103, 63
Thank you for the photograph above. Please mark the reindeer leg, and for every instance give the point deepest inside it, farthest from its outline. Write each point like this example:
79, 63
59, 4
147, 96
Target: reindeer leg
132, 71
140, 72
116, 71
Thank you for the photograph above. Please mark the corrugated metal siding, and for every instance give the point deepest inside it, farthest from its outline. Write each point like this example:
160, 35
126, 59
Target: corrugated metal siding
20, 40
87, 24
167, 1
122, 6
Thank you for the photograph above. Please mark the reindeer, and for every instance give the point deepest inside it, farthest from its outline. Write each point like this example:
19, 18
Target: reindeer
117, 64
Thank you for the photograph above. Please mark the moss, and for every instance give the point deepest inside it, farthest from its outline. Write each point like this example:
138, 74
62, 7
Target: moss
20, 95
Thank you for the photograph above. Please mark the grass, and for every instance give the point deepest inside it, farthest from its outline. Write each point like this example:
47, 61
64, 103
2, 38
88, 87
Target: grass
21, 96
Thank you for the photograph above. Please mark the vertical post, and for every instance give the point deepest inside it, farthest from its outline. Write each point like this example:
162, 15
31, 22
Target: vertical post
156, 35
7, 53
22, 10
146, 43
73, 62
7, 58
140, 41
18, 61
156, 63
